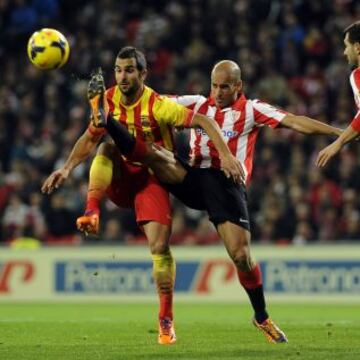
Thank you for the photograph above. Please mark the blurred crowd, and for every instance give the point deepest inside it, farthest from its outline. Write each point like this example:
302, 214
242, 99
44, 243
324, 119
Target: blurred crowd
291, 55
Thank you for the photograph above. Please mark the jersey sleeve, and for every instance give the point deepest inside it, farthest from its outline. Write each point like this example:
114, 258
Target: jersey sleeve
266, 114
355, 85
189, 101
171, 112
355, 123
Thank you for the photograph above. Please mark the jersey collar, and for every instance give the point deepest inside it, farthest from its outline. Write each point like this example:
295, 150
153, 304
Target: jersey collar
238, 105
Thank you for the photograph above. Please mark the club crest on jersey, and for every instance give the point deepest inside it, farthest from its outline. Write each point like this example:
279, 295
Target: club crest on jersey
236, 115
145, 122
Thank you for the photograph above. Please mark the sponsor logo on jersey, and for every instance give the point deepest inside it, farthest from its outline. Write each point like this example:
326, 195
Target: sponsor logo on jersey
226, 133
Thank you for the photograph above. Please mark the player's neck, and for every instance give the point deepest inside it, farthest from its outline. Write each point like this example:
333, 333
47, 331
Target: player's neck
132, 99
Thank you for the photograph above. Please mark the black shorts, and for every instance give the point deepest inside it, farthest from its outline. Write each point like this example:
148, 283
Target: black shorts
209, 189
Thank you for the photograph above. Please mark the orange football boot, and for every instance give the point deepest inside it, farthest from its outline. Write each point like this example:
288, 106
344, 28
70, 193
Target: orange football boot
95, 94
271, 331
88, 223
167, 334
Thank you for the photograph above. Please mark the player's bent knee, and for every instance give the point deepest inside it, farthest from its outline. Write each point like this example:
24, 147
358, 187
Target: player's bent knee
159, 248
242, 260
158, 237
106, 149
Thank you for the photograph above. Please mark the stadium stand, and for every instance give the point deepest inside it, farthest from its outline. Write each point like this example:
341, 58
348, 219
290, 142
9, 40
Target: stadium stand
290, 53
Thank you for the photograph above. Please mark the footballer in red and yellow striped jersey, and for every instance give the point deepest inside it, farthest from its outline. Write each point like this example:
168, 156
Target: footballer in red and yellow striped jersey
150, 117
145, 113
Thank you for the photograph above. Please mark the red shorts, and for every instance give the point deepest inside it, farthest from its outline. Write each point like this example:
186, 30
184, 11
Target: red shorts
136, 188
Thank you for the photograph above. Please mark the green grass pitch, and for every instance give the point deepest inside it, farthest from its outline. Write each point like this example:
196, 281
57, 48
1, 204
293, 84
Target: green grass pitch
204, 331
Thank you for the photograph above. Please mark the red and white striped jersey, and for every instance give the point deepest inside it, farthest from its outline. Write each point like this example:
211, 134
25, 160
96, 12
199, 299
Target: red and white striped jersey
239, 124
355, 85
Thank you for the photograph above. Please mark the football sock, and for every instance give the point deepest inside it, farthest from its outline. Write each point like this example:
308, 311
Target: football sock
101, 171
164, 270
252, 283
134, 149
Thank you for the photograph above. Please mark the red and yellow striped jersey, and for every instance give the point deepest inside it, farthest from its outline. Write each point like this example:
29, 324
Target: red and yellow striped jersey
151, 117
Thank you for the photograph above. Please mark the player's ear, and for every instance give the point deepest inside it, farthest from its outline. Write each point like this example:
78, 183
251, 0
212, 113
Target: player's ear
143, 74
239, 86
357, 48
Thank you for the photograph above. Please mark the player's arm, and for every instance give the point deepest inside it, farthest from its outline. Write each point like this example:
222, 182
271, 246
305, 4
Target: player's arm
266, 114
189, 101
229, 163
81, 150
306, 125
350, 133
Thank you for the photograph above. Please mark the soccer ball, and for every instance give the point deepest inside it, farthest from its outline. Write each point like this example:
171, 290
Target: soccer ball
48, 49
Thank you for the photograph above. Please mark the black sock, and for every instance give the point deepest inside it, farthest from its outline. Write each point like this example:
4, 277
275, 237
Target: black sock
124, 141
257, 300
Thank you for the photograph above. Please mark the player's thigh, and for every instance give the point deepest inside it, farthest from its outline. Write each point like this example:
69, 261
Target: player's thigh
168, 172
126, 181
152, 202
189, 191
109, 150
226, 201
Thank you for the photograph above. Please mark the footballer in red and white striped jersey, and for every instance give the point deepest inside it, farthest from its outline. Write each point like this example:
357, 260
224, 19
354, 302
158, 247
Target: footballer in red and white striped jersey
202, 184
239, 123
352, 54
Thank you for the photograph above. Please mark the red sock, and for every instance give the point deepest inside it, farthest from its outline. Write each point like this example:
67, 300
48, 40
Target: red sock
251, 279
166, 301
92, 206
252, 283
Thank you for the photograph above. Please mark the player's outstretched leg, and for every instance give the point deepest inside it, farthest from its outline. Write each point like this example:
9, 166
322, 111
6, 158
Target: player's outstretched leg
95, 94
164, 276
100, 177
251, 280
164, 268
237, 242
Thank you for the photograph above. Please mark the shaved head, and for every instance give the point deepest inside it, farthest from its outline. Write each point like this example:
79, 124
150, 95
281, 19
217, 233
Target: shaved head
228, 67
226, 84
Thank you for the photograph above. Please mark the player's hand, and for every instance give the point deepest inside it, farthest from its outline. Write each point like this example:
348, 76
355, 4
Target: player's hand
54, 180
232, 168
163, 154
327, 153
